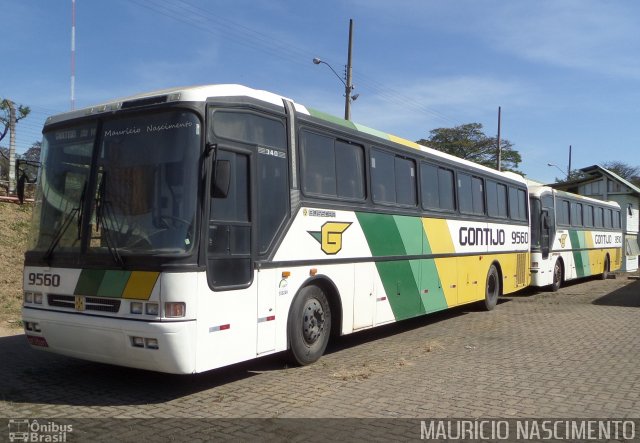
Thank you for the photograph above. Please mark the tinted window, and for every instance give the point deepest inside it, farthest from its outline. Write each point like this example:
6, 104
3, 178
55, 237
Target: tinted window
502, 200
249, 128
588, 216
429, 186
393, 179
446, 189
229, 242
405, 171
599, 218
576, 214
608, 220
437, 188
563, 214
349, 170
522, 204
477, 187
383, 177
465, 196
273, 194
319, 164
492, 198
235, 206
616, 220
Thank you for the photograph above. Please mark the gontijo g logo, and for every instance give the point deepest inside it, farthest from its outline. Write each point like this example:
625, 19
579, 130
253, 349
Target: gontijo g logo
330, 236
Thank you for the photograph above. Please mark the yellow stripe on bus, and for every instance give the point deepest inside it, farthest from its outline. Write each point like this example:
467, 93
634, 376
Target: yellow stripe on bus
439, 237
140, 285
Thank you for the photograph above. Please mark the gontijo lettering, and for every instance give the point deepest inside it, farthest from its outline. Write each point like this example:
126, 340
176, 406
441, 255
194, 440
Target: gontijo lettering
481, 236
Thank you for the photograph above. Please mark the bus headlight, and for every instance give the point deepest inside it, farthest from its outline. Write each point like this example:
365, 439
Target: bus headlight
174, 309
28, 297
151, 309
136, 307
37, 298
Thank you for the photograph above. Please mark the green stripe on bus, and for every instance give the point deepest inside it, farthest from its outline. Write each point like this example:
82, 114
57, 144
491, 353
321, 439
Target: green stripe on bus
396, 236
89, 282
434, 299
331, 118
581, 258
113, 284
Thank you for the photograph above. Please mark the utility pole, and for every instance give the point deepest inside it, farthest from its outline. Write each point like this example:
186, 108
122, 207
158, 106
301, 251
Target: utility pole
569, 167
499, 147
348, 86
12, 147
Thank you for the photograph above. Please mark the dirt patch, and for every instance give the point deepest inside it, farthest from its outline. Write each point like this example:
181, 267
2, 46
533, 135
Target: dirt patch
14, 227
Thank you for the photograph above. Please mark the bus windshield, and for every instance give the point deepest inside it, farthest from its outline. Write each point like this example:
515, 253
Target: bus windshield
143, 192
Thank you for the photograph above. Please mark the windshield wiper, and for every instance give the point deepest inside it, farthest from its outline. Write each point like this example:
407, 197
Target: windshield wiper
103, 209
65, 225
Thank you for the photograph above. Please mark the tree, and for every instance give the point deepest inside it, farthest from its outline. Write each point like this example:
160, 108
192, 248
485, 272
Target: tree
33, 153
628, 172
4, 163
29, 162
469, 142
5, 105
574, 174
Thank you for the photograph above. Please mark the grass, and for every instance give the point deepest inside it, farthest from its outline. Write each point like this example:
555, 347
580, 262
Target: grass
14, 227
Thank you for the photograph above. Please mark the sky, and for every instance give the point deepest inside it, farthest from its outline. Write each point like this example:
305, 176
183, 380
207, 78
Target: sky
564, 72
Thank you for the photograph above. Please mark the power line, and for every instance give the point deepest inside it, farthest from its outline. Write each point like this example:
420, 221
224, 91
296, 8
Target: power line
203, 18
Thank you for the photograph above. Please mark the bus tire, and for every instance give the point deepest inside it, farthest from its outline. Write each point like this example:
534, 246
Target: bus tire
492, 289
309, 325
557, 276
605, 271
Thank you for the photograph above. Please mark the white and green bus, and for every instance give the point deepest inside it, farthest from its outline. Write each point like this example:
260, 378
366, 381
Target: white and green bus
572, 237
188, 229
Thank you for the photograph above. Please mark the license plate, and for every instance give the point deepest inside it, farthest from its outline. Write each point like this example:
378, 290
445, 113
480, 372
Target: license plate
79, 303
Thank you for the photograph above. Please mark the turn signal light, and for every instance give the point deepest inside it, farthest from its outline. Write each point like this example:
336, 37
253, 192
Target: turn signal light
174, 309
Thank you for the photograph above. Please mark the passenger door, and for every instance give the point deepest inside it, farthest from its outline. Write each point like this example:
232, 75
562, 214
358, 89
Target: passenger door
229, 263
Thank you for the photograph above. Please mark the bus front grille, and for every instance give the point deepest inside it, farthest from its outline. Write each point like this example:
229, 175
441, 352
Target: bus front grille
90, 303
521, 269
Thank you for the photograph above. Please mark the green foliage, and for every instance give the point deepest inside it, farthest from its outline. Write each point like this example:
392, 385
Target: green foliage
469, 142
628, 172
21, 112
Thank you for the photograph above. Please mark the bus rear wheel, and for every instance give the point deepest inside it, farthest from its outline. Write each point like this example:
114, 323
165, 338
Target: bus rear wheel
492, 289
605, 271
557, 276
309, 325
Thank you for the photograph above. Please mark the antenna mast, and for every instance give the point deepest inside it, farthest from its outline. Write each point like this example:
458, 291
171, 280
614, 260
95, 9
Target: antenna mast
73, 54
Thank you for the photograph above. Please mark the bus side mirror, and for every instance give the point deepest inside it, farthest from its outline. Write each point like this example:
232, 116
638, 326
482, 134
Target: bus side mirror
221, 179
545, 220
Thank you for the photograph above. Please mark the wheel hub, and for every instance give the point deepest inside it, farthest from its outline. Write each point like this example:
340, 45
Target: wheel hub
312, 321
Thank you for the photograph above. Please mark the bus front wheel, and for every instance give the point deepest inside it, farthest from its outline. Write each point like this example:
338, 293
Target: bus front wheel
492, 289
557, 276
309, 325
605, 271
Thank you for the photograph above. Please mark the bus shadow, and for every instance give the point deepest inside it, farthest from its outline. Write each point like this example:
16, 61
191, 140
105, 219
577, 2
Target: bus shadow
628, 296
338, 344
35, 377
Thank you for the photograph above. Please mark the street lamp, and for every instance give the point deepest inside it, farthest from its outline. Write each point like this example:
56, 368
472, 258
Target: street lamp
558, 168
348, 86
347, 89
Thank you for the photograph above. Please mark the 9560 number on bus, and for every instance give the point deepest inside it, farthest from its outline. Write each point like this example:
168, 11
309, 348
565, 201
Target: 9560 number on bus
43, 279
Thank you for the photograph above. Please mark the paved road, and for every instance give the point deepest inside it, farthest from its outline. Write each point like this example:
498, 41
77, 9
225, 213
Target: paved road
574, 353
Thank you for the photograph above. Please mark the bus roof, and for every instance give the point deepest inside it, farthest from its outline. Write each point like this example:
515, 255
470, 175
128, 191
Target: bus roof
537, 191
203, 92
